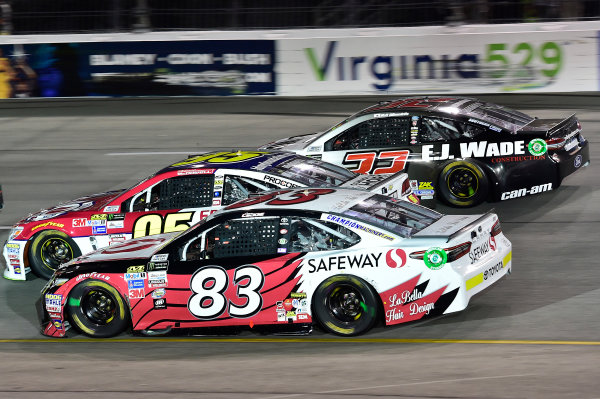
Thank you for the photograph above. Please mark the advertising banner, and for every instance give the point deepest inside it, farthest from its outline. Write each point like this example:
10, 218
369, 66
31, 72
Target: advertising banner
554, 61
140, 68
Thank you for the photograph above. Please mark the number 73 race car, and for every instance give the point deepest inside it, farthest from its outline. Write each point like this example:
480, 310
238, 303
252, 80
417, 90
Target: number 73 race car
342, 258
460, 150
171, 200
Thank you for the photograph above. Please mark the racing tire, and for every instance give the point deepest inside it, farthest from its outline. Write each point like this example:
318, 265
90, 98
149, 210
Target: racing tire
463, 184
345, 305
48, 250
97, 309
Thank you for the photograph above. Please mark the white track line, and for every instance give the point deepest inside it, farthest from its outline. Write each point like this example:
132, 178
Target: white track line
396, 385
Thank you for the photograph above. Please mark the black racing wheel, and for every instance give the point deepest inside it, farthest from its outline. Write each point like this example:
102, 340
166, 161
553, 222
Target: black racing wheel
463, 184
48, 250
345, 305
97, 309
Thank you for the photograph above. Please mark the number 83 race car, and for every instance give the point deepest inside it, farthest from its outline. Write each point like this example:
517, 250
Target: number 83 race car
343, 258
171, 200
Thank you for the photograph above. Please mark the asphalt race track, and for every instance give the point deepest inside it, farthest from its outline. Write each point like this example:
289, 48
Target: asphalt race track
536, 334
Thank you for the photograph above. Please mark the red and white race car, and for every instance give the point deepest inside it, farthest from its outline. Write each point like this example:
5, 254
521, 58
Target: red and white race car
171, 200
340, 257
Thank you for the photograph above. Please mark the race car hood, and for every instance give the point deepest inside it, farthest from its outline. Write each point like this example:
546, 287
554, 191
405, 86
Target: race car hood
139, 248
293, 143
92, 203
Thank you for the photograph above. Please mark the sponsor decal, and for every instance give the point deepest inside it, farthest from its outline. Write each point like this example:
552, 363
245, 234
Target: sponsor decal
116, 216
578, 160
135, 284
253, 214
188, 172
159, 257
219, 182
484, 149
156, 266
216, 202
302, 316
523, 191
282, 241
98, 229
414, 184
358, 226
343, 262
80, 222
13, 249
479, 250
425, 185
135, 269
281, 250
13, 245
395, 258
487, 274
157, 279
314, 148
279, 182
300, 295
116, 238
283, 231
135, 276
97, 222
435, 258
281, 315
92, 275
136, 293
518, 158
482, 123
158, 293
115, 224
48, 224
111, 208
217, 194
390, 114
160, 303
101, 216
408, 302
424, 192
53, 303
57, 324
537, 147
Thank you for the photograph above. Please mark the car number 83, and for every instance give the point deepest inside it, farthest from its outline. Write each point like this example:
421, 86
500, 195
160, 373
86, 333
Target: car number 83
209, 284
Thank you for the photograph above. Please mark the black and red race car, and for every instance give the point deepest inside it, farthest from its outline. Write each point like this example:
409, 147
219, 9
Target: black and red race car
461, 150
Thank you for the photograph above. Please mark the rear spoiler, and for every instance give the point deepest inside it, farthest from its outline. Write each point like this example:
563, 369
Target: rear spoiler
544, 125
462, 229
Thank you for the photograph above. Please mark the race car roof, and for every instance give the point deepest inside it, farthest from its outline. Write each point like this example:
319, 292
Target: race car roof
245, 160
465, 106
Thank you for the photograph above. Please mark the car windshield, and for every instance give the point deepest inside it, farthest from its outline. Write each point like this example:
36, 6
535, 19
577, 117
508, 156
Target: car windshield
400, 217
312, 172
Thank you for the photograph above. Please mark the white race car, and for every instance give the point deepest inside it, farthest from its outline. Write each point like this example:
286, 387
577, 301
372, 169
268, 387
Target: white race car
341, 257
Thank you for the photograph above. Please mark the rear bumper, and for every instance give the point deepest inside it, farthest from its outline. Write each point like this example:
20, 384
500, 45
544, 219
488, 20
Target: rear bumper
570, 162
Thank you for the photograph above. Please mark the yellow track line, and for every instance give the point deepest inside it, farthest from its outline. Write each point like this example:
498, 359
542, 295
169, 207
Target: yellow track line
308, 340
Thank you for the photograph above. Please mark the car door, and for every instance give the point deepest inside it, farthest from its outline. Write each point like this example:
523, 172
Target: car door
237, 273
378, 145
172, 204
